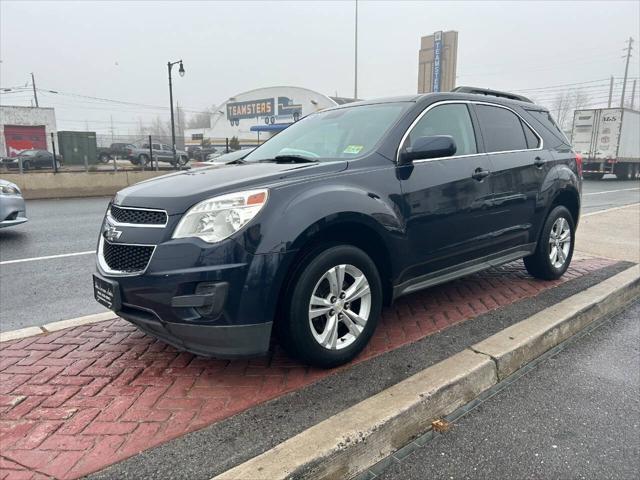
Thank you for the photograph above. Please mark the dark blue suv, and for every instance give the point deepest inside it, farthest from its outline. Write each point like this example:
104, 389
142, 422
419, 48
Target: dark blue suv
341, 213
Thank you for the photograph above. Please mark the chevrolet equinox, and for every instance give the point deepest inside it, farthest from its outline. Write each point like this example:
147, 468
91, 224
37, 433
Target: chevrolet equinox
310, 234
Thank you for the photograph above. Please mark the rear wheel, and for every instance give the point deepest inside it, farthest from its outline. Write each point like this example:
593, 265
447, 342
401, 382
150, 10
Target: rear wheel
182, 160
104, 158
143, 160
332, 307
26, 165
624, 171
555, 247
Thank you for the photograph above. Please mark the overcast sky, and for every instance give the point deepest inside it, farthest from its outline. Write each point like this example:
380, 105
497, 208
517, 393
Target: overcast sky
119, 50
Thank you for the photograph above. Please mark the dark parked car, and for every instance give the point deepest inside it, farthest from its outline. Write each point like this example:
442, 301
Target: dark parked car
31, 160
115, 150
200, 153
336, 216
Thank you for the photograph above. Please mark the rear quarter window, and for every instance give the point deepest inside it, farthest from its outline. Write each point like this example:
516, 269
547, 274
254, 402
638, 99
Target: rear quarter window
544, 118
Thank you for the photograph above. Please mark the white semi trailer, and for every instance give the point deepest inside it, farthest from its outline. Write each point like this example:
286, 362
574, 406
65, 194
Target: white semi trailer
609, 141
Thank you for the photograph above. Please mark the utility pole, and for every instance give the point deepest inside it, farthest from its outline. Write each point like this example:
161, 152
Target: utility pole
633, 93
355, 86
626, 70
33, 84
610, 91
111, 117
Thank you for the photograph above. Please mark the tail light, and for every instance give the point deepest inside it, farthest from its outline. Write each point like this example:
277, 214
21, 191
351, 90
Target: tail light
579, 164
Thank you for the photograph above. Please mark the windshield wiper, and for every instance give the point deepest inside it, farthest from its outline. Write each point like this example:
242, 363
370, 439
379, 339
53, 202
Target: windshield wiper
290, 159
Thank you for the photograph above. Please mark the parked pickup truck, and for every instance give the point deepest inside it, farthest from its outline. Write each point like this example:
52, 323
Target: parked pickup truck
115, 150
161, 152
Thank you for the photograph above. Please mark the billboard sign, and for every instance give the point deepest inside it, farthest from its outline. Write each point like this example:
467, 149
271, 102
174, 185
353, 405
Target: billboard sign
250, 109
437, 54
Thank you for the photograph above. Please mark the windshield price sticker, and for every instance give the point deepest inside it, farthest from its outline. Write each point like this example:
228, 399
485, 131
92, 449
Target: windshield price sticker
355, 149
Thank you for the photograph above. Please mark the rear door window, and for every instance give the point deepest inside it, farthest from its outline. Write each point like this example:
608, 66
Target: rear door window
501, 128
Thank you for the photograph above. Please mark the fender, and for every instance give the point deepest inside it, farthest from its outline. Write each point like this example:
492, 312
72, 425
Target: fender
560, 181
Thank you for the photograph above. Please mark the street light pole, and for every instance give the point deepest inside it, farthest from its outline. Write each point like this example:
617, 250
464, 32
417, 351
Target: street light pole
173, 126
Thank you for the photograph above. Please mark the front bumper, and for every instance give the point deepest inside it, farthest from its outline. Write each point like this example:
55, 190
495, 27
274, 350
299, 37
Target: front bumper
12, 210
231, 316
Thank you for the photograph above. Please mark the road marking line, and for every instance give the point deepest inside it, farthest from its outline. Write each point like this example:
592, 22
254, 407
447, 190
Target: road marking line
48, 257
55, 326
610, 210
610, 191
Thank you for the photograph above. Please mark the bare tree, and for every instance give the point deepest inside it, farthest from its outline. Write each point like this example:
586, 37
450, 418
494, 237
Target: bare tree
566, 103
201, 119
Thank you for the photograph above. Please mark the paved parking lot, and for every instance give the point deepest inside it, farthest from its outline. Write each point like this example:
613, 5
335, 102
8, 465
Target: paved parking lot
78, 400
44, 290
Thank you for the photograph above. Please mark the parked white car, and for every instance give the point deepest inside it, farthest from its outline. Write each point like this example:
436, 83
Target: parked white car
12, 207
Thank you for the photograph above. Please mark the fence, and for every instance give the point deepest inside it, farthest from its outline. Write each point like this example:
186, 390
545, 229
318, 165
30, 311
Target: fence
88, 152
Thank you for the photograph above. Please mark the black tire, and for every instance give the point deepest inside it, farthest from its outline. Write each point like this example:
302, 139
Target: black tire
182, 160
624, 171
539, 264
26, 166
593, 176
104, 158
295, 328
143, 160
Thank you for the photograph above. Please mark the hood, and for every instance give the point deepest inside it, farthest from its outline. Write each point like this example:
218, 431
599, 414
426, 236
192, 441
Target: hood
179, 191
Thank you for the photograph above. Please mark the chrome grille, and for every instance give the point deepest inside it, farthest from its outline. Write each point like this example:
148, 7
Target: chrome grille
126, 258
138, 216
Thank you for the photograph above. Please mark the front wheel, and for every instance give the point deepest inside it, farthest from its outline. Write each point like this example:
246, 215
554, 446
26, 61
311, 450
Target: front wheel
332, 307
555, 247
182, 161
143, 160
104, 158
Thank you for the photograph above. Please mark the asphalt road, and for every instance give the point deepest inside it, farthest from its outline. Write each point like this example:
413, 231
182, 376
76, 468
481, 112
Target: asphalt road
576, 416
38, 291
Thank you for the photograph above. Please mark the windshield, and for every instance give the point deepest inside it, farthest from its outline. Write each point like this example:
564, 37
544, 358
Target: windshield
333, 134
28, 153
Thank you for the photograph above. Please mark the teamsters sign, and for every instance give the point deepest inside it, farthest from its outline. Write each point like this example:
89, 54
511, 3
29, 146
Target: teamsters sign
437, 52
250, 109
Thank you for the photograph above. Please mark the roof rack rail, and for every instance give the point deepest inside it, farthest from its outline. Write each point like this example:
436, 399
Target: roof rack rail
493, 93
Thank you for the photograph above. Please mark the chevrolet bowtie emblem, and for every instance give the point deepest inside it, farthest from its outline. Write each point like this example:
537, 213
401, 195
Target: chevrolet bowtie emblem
112, 234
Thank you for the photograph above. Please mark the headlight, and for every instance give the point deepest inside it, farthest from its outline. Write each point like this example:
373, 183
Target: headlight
9, 189
220, 217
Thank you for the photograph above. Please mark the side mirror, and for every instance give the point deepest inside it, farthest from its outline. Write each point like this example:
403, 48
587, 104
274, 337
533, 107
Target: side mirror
424, 148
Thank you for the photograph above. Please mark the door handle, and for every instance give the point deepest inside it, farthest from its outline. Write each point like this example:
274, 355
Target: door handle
480, 174
538, 162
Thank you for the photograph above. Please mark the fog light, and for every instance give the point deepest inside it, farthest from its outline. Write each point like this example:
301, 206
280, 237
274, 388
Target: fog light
218, 294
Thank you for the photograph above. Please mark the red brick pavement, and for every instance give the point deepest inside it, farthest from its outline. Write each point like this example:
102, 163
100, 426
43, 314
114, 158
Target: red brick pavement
75, 401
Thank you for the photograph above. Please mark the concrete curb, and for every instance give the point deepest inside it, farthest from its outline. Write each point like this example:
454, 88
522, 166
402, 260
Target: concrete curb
351, 441
515, 346
55, 326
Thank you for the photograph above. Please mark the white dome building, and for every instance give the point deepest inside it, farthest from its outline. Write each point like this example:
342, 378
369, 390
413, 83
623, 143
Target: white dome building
256, 115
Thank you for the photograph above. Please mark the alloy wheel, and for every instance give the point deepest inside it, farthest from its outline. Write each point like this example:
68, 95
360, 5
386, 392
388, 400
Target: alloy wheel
559, 242
339, 307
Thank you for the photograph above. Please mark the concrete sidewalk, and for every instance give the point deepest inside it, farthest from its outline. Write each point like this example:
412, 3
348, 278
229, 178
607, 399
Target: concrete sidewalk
611, 234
